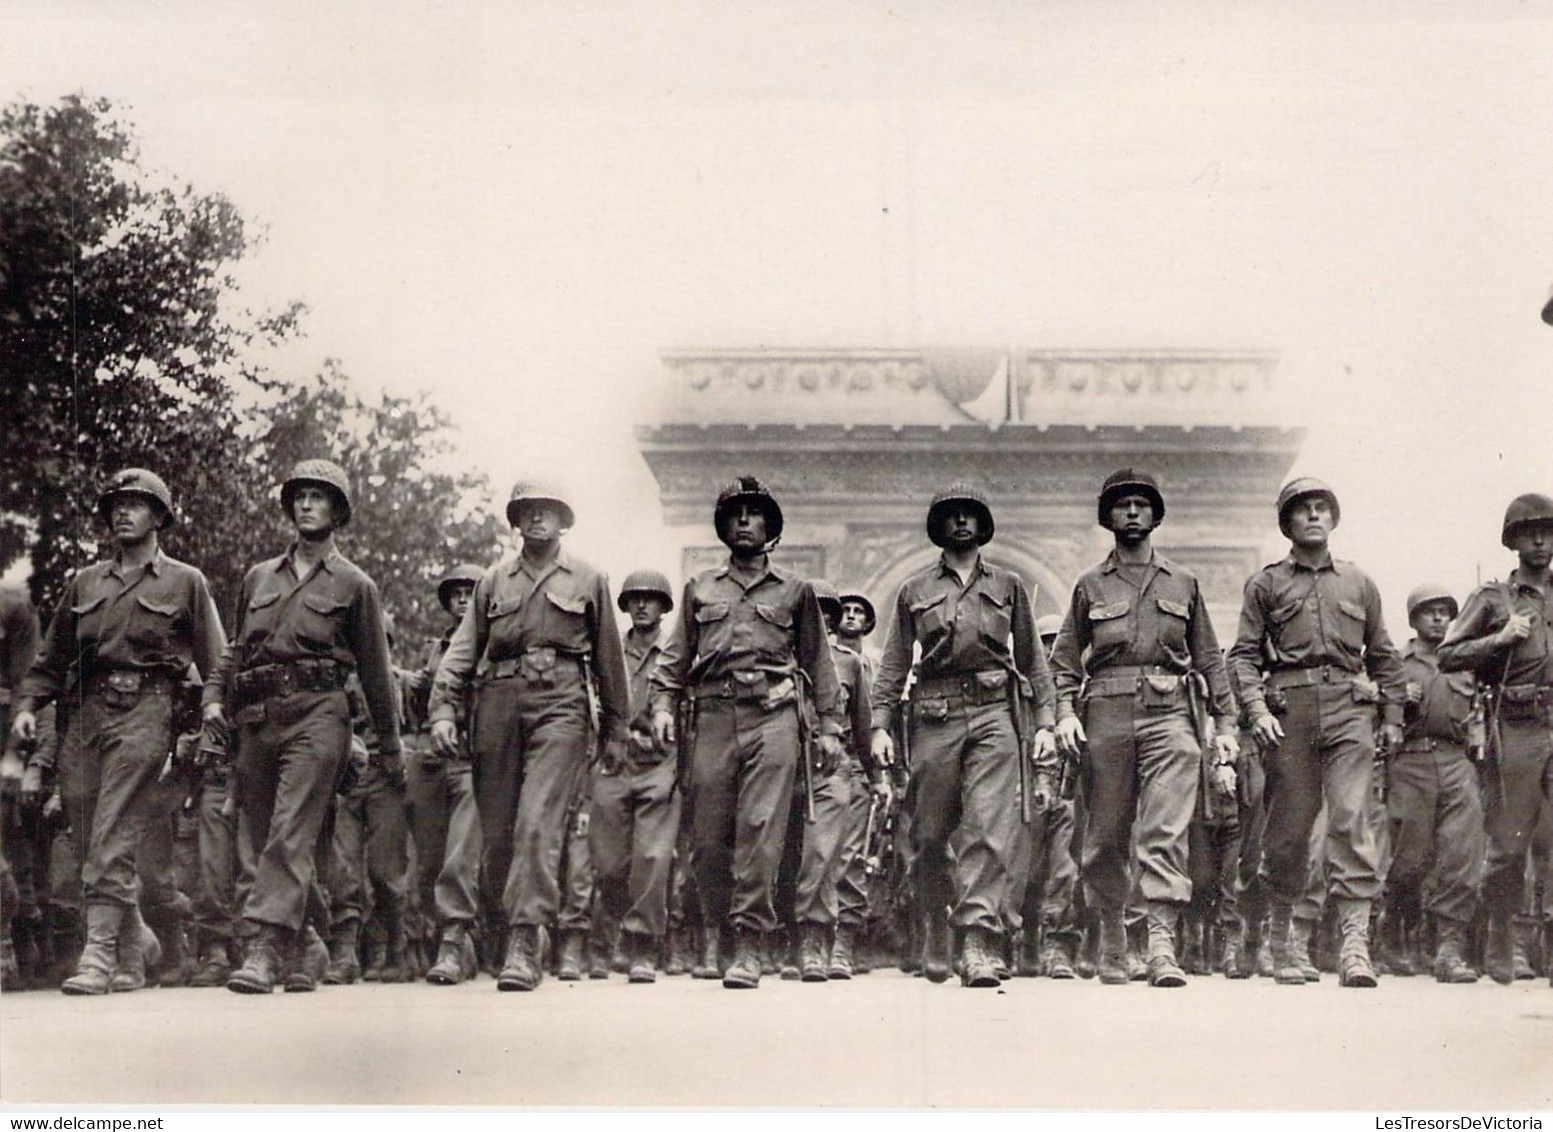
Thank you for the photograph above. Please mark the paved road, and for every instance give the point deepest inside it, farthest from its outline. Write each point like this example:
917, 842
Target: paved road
882, 1040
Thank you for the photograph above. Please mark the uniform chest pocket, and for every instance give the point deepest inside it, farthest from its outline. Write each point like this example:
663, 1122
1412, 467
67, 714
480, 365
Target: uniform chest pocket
568, 613
1173, 618
930, 618
1109, 624
1286, 627
1460, 688
498, 608
88, 620
1350, 622
773, 627
321, 621
153, 623
997, 619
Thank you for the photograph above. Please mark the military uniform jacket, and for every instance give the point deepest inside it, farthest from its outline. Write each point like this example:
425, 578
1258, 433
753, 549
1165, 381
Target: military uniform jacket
728, 624
1444, 702
18, 640
1160, 623
333, 613
521, 609
158, 619
962, 630
856, 715
1293, 616
1469, 644
641, 655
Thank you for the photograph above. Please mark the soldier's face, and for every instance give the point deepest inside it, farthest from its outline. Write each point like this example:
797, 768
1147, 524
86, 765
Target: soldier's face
646, 611
1132, 517
458, 601
746, 527
1310, 522
1431, 619
962, 526
540, 522
854, 618
132, 518
1534, 545
312, 510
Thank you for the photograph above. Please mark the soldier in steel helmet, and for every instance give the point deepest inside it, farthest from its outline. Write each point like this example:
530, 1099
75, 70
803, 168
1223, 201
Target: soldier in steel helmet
116, 653
636, 808
857, 622
1314, 624
1137, 667
983, 696
440, 796
307, 622
750, 661
23, 850
1433, 804
1503, 638
539, 644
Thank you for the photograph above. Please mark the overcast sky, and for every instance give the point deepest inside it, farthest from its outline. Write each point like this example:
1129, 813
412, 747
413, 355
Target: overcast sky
517, 205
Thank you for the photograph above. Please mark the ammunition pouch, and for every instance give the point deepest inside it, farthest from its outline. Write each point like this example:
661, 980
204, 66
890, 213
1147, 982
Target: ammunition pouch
1525, 703
536, 667
253, 687
121, 688
1155, 690
771, 690
988, 686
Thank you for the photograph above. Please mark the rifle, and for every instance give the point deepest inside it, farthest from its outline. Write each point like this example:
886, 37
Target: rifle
805, 744
684, 741
1024, 739
870, 849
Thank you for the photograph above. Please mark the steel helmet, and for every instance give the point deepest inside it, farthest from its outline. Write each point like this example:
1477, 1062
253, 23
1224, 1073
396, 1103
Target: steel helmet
1524, 510
868, 608
323, 473
645, 582
748, 490
959, 493
826, 594
137, 481
541, 491
1428, 593
464, 574
1129, 481
1297, 489
1048, 625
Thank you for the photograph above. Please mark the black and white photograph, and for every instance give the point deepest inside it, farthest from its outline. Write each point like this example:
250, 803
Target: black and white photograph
841, 558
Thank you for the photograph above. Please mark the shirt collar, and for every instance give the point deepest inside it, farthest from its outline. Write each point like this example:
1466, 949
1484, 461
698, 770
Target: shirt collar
1329, 564
1414, 650
1113, 563
1515, 576
289, 559
944, 568
153, 564
561, 561
726, 571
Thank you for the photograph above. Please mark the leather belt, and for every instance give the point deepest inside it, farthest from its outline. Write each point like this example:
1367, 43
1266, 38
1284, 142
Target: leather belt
962, 686
1127, 679
535, 660
1309, 677
133, 682
269, 681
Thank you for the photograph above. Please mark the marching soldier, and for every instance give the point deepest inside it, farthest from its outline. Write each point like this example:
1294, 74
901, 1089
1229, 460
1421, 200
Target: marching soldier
1132, 650
307, 621
20, 846
1502, 637
1315, 623
540, 645
749, 660
1433, 803
971, 722
636, 807
855, 625
123, 636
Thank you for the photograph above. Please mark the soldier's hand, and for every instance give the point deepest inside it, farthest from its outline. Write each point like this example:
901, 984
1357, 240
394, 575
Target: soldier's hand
1070, 737
392, 767
1268, 732
1227, 748
32, 785
444, 737
1224, 779
25, 727
829, 755
642, 741
213, 716
1043, 793
1515, 630
53, 806
882, 747
663, 727
11, 771
1044, 746
1390, 737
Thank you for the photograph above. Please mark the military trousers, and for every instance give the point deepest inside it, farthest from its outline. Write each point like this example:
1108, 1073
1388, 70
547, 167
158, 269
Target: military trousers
1048, 875
289, 758
964, 788
741, 789
108, 765
811, 857
577, 887
852, 867
631, 833
212, 879
444, 821
1140, 781
1326, 755
530, 751
371, 852
1436, 815
1519, 787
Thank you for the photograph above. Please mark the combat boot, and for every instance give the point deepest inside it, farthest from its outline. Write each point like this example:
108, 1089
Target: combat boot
569, 963
1499, 951
308, 962
1086, 963
138, 949
1192, 959
1450, 966
344, 955
176, 967
455, 957
215, 962
681, 952
619, 956
1113, 948
1394, 955
1265, 968
1520, 961
377, 956
707, 965
521, 969
1280, 943
813, 953
937, 942
394, 968
745, 970
10, 969
1164, 971
841, 953
1300, 932
1137, 946
1027, 953
643, 951
1236, 962
99, 956
978, 967
1057, 956
261, 965
778, 955
1001, 949
1353, 917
